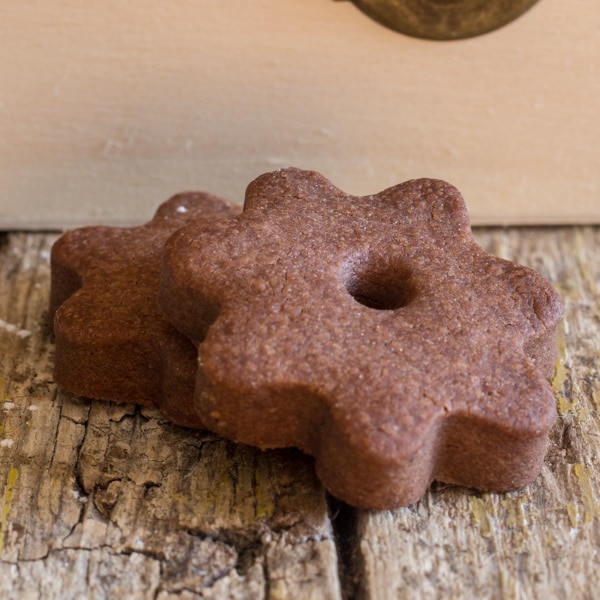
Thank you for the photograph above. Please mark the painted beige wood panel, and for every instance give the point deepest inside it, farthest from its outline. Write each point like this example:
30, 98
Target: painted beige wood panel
106, 109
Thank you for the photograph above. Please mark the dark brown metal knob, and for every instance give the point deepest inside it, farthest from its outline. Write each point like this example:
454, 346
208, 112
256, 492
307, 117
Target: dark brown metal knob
444, 19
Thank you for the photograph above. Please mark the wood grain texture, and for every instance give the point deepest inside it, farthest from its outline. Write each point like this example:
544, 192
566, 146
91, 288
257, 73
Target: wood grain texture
104, 501
539, 542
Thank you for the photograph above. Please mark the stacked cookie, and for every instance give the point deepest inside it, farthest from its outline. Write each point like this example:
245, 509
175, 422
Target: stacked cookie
371, 332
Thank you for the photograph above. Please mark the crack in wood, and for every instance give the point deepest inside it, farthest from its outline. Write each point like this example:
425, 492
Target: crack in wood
114, 496
344, 523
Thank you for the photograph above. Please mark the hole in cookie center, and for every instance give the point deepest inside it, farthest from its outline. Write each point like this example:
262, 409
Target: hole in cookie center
382, 284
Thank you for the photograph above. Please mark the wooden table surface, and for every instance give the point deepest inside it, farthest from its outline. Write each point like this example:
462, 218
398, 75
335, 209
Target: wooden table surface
109, 501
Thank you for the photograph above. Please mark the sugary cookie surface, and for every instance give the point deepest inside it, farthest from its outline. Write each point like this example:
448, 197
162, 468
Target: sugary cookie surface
372, 332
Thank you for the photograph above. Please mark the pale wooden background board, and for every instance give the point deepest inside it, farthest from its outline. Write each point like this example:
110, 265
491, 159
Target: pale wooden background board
109, 108
106, 501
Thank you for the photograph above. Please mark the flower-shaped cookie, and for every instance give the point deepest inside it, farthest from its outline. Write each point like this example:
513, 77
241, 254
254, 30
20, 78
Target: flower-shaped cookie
112, 342
372, 332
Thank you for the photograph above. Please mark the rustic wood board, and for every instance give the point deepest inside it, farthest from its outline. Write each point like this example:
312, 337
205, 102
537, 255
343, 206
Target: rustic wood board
539, 542
104, 501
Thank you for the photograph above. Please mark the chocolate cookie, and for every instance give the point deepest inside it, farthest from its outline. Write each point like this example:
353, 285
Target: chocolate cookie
112, 342
372, 332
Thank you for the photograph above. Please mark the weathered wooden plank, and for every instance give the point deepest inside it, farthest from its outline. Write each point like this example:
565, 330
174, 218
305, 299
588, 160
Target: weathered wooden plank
539, 542
106, 501
99, 500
